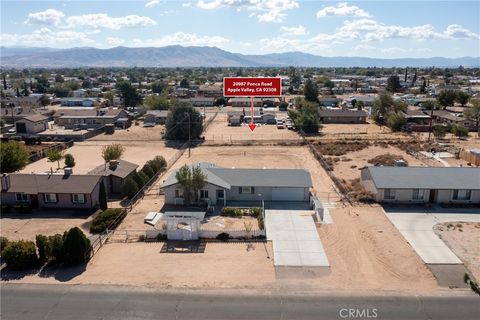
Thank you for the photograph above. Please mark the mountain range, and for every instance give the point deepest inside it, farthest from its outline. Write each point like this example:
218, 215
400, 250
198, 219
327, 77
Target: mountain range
194, 56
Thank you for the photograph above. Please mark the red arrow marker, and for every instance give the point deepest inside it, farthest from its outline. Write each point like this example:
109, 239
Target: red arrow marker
252, 124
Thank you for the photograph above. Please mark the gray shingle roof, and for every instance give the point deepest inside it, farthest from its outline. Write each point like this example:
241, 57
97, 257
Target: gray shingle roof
123, 169
227, 177
425, 177
56, 183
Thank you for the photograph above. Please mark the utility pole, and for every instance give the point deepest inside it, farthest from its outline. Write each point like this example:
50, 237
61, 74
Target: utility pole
189, 133
431, 120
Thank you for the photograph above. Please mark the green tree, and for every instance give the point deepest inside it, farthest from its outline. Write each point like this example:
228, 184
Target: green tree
310, 91
181, 116
429, 105
102, 196
112, 152
439, 131
43, 246
384, 106
446, 98
20, 254
55, 155
69, 160
75, 247
283, 106
360, 105
306, 117
148, 170
396, 121
158, 87
156, 102
459, 131
13, 156
56, 246
3, 244
184, 83
61, 91
129, 187
44, 100
473, 112
140, 178
462, 97
191, 179
129, 95
393, 84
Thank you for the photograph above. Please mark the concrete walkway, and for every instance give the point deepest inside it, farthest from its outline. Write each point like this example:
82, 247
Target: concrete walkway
417, 228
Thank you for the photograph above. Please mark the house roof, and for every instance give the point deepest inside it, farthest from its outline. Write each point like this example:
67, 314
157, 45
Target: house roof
425, 177
87, 113
228, 177
52, 183
415, 114
122, 170
34, 118
341, 113
157, 113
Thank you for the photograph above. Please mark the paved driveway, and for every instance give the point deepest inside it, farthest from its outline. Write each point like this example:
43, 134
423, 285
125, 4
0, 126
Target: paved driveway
416, 226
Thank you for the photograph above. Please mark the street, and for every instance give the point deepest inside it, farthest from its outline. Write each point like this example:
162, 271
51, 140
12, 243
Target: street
111, 302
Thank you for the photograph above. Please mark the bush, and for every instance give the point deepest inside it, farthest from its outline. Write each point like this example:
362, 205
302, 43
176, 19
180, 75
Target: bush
3, 244
439, 131
43, 246
20, 255
396, 121
104, 219
459, 131
261, 223
129, 187
69, 160
147, 169
223, 236
23, 208
56, 246
143, 176
158, 163
231, 212
256, 212
140, 179
6, 208
75, 247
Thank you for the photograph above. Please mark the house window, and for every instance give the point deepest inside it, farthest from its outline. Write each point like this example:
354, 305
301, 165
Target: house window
178, 193
389, 194
203, 194
459, 194
22, 197
417, 194
250, 190
50, 197
78, 198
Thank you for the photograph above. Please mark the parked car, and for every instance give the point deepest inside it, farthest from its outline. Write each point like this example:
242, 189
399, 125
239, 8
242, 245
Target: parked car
280, 124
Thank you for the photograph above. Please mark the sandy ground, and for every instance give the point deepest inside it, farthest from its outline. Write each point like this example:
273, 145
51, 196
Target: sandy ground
228, 223
27, 226
343, 169
219, 131
464, 241
222, 265
88, 155
339, 128
134, 133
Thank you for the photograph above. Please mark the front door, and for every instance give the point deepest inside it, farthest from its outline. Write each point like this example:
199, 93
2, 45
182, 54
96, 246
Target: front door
220, 195
34, 201
431, 198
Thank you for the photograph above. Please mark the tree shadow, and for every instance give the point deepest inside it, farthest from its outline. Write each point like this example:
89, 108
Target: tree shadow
50, 270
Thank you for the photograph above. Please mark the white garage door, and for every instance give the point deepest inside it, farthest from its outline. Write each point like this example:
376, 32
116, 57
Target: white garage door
288, 194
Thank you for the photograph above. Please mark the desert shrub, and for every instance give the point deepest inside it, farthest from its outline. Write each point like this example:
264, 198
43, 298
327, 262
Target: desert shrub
56, 246
386, 160
20, 254
459, 131
261, 223
358, 193
231, 212
341, 148
69, 160
223, 236
439, 131
75, 247
104, 219
147, 169
255, 212
3, 244
43, 247
158, 163
129, 187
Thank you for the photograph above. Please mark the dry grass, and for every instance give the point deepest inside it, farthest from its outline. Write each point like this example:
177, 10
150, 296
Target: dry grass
386, 160
341, 148
357, 192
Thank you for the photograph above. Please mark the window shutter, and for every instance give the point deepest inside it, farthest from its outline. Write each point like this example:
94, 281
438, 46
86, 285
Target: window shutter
253, 190
240, 190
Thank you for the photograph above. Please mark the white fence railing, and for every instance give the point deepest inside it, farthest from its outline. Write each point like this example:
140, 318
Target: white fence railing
211, 234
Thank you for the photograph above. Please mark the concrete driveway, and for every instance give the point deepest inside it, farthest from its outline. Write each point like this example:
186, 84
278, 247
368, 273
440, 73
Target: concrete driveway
416, 226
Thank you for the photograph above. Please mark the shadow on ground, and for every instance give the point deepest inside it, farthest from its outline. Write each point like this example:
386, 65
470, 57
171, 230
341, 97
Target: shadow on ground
56, 271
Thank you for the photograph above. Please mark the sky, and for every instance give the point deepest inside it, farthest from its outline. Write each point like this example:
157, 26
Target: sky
380, 29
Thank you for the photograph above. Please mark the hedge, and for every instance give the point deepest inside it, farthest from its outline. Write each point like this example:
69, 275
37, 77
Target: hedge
20, 255
104, 219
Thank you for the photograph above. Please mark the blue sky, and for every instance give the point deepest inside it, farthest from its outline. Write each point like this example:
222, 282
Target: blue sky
387, 29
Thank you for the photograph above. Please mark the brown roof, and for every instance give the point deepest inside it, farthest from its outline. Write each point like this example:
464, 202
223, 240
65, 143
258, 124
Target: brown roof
123, 169
56, 183
35, 118
87, 112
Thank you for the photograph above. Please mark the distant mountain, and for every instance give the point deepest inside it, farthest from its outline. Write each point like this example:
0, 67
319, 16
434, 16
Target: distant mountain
178, 56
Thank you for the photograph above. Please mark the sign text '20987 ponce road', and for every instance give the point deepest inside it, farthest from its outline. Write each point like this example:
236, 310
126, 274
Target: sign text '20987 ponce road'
252, 87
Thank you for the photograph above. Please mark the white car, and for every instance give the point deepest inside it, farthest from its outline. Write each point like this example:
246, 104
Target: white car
280, 124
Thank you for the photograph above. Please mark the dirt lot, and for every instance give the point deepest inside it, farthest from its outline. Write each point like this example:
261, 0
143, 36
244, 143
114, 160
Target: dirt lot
338, 128
88, 155
219, 131
464, 240
27, 226
134, 133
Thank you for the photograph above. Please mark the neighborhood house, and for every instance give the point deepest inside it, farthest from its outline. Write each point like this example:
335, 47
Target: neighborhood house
235, 184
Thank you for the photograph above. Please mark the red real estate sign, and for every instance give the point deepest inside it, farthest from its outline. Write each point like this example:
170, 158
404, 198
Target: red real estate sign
252, 87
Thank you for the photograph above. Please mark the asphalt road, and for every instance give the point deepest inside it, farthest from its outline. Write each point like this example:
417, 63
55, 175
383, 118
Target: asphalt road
107, 302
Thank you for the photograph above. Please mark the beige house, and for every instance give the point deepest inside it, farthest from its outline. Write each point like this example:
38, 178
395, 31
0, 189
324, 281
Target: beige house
453, 185
32, 124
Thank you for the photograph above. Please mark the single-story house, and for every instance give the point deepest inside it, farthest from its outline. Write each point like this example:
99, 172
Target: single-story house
77, 102
114, 173
342, 116
448, 118
416, 116
59, 191
156, 116
237, 117
329, 102
202, 102
88, 117
367, 100
32, 124
235, 184
258, 102
422, 184
211, 91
